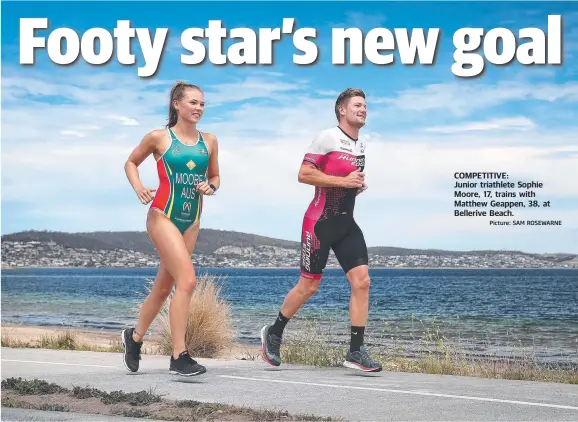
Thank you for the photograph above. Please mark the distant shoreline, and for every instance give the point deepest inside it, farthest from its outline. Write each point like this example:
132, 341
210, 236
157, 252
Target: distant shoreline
9, 268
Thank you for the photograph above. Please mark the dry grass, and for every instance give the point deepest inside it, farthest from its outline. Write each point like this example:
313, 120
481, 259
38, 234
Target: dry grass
311, 345
208, 327
61, 341
431, 353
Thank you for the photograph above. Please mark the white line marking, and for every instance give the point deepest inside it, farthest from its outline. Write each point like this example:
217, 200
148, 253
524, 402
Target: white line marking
59, 363
559, 406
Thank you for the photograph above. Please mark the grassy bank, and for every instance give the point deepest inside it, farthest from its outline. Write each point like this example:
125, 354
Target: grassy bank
309, 346
430, 352
66, 340
41, 395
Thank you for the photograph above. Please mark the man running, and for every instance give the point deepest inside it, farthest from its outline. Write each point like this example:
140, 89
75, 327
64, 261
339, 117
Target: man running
334, 164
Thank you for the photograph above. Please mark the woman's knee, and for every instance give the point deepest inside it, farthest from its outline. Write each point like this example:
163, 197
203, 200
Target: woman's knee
187, 283
163, 292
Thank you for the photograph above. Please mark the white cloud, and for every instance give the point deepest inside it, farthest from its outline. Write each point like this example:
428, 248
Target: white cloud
410, 175
126, 121
325, 93
73, 133
463, 98
247, 89
363, 21
397, 169
106, 88
508, 123
75, 214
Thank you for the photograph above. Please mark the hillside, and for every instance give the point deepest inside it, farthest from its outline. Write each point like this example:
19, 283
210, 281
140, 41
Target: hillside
210, 240
393, 251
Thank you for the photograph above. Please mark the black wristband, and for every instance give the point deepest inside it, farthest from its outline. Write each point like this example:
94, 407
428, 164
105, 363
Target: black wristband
213, 187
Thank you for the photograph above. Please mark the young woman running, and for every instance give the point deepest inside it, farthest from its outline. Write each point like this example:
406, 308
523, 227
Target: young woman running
188, 169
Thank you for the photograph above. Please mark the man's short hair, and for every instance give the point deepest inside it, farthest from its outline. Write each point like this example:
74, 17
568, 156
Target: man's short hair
345, 96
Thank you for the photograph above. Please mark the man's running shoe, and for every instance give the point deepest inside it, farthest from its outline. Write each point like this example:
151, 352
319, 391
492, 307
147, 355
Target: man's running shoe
361, 360
271, 345
185, 365
131, 350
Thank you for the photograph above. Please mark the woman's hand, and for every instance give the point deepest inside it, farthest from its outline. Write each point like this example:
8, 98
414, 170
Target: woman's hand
145, 195
205, 189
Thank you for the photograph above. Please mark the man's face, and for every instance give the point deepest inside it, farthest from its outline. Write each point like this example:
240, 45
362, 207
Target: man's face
356, 111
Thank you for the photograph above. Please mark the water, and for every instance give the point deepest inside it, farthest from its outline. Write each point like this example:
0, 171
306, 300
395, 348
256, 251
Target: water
489, 311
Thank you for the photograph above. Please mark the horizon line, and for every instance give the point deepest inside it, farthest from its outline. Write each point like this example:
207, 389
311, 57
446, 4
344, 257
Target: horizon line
297, 242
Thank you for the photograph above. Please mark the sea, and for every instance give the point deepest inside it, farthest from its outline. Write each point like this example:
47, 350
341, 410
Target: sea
485, 312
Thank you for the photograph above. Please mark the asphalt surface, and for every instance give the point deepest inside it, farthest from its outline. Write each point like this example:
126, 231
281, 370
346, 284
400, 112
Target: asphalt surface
11, 414
337, 392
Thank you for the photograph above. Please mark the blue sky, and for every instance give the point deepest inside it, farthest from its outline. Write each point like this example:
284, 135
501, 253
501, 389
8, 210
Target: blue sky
67, 130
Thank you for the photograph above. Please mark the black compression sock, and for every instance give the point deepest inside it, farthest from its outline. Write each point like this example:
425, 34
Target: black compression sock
279, 325
356, 338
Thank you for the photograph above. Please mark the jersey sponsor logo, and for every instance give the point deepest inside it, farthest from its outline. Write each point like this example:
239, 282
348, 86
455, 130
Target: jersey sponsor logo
318, 197
346, 157
344, 141
202, 151
306, 251
311, 159
191, 165
176, 150
186, 208
355, 161
346, 149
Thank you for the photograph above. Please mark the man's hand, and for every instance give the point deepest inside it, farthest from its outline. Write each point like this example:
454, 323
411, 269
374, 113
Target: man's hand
362, 189
145, 195
204, 189
354, 180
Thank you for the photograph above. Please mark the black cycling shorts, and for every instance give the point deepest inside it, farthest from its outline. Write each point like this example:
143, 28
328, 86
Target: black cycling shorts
339, 233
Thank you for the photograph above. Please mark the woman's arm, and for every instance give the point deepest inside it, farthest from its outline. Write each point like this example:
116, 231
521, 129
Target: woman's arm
213, 176
147, 146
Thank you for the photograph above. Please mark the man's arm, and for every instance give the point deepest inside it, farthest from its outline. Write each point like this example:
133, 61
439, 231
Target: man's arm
310, 175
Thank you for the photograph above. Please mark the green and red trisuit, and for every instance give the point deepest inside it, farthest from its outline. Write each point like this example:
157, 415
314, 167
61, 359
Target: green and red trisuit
181, 168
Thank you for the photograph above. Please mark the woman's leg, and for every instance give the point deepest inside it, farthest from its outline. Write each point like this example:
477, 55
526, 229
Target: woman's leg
162, 287
163, 284
171, 247
132, 337
152, 305
179, 307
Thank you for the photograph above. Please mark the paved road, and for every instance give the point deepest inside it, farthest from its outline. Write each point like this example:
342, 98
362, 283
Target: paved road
26, 415
336, 392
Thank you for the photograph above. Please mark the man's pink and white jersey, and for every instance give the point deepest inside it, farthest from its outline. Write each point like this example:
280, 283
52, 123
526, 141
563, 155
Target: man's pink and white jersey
336, 154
